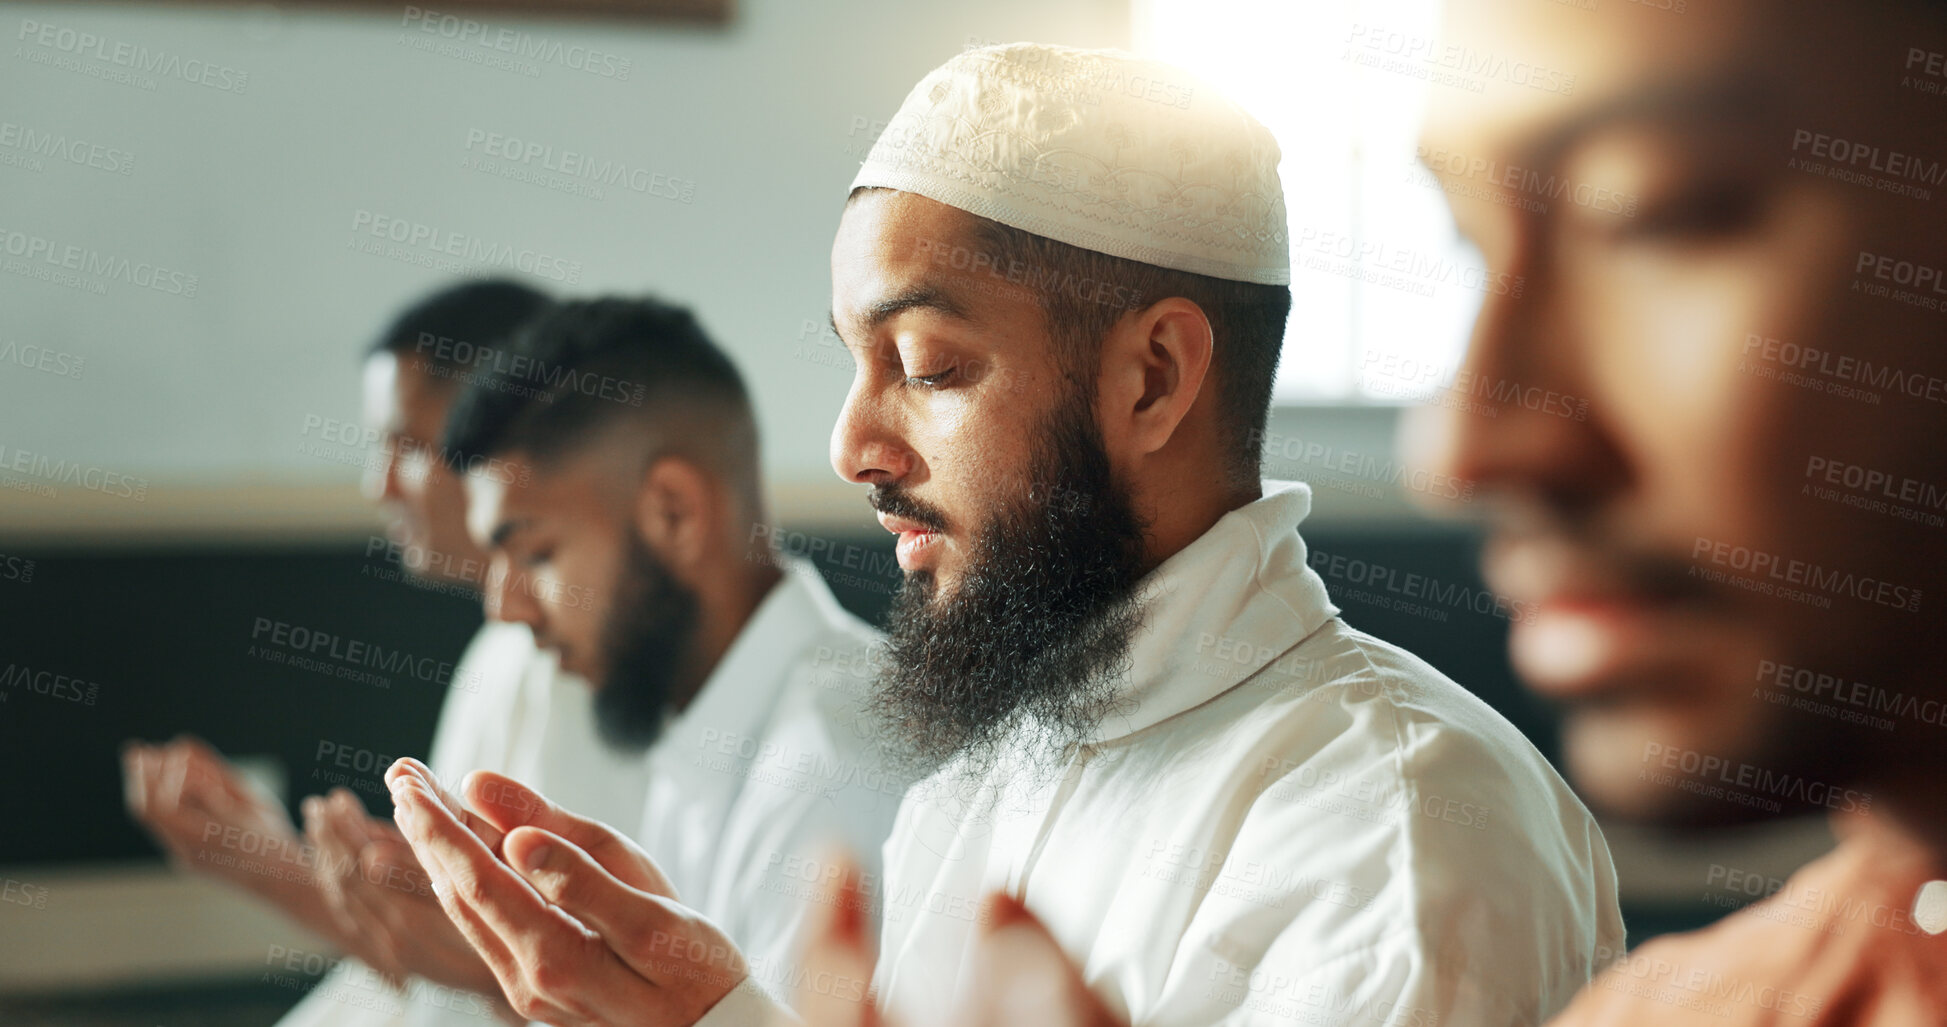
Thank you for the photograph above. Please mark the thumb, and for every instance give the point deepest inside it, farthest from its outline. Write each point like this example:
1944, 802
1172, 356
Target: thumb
838, 959
509, 805
1021, 974
631, 921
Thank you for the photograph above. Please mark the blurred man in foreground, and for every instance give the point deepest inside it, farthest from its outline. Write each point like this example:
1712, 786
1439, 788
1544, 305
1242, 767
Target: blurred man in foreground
634, 458
1732, 558
352, 880
1139, 711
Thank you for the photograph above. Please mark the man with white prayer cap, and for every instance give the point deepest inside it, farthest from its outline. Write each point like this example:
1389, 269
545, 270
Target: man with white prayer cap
1063, 275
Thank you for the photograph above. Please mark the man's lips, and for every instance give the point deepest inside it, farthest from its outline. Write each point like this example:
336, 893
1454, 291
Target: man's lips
1587, 624
915, 539
1573, 648
902, 525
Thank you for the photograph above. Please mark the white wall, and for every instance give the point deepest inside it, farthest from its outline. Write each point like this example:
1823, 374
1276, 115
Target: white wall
255, 192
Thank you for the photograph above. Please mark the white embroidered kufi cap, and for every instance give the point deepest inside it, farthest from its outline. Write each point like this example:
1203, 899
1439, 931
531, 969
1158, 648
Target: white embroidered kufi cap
1098, 149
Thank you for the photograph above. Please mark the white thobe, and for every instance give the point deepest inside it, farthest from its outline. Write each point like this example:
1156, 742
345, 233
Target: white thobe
1291, 822
511, 710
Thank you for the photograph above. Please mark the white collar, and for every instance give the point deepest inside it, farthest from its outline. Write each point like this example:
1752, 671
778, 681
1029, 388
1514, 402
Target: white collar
1245, 580
742, 690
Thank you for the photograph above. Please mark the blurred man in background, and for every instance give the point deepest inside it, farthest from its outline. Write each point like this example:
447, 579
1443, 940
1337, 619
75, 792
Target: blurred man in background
353, 881
1142, 715
1733, 557
634, 480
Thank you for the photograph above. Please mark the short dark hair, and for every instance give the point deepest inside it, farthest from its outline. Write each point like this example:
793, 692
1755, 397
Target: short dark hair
484, 315
587, 364
1247, 320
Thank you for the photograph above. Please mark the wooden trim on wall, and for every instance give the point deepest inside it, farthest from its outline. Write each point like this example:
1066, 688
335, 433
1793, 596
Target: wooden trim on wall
275, 513
704, 12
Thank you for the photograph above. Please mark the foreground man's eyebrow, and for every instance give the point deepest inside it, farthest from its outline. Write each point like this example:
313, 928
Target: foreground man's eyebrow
503, 531
1686, 102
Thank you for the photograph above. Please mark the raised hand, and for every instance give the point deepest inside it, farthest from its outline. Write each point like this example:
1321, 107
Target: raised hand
209, 820
576, 923
1020, 975
206, 817
376, 887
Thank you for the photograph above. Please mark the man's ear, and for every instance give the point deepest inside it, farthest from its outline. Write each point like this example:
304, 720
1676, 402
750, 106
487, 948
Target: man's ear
1154, 363
676, 511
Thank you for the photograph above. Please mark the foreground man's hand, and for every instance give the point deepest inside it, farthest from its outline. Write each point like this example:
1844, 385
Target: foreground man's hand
1020, 973
576, 922
377, 889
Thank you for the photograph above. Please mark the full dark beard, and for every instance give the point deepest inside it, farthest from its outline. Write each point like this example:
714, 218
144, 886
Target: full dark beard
648, 641
1028, 654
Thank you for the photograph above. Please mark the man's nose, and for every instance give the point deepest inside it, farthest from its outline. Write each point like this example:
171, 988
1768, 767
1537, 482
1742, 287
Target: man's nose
1518, 418
509, 596
865, 447
380, 482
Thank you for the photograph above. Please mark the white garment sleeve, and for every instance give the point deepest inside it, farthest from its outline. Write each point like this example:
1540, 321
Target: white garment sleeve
787, 826
749, 1005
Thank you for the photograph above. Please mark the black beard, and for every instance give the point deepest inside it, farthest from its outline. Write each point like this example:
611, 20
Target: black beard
1029, 653
647, 642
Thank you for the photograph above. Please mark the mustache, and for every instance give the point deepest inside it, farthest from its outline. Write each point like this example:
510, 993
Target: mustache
896, 502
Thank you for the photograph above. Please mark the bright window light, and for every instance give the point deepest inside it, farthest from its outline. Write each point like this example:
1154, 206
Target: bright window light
1383, 290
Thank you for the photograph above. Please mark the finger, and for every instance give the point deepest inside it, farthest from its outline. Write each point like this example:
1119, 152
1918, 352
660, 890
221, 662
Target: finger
346, 804
639, 925
144, 764
383, 831
315, 815
317, 833
384, 906
508, 804
353, 820
647, 942
486, 944
429, 841
342, 835
379, 949
383, 875
361, 912
357, 832
170, 777
391, 850
344, 817
184, 835
472, 874
838, 955
199, 776
391, 864
208, 774
529, 948
135, 780
407, 769
1020, 974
